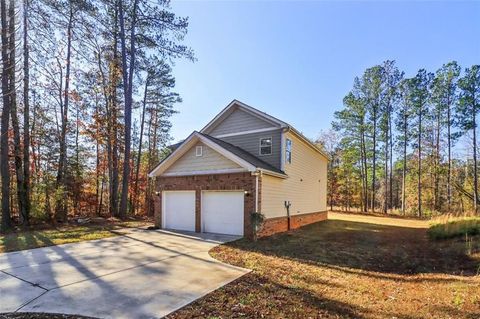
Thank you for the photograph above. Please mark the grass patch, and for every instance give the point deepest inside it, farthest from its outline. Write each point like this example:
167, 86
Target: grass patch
35, 238
346, 269
468, 226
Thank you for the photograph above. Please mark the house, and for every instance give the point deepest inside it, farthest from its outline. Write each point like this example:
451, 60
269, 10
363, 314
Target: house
243, 161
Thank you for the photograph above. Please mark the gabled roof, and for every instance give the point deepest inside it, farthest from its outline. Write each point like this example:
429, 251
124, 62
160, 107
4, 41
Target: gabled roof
252, 159
247, 108
244, 159
235, 104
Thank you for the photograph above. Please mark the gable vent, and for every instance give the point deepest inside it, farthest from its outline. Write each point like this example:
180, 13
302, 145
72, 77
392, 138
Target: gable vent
199, 151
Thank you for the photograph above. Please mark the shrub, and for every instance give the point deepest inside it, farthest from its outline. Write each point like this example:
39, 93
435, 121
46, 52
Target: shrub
455, 228
257, 223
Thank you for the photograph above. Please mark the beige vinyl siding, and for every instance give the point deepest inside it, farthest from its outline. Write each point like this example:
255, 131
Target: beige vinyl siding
210, 160
305, 187
239, 121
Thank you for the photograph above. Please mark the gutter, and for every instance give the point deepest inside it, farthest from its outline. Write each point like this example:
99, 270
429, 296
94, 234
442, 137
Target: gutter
271, 173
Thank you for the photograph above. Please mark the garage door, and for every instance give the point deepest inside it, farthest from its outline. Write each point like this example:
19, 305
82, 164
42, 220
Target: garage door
222, 212
179, 210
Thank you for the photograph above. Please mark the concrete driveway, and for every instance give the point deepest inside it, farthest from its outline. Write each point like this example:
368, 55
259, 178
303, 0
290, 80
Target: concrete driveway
143, 274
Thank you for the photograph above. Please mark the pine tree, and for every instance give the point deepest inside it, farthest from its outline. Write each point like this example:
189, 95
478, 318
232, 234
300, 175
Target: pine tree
466, 114
420, 96
371, 88
444, 95
404, 115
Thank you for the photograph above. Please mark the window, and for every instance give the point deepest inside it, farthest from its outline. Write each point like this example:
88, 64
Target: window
266, 146
199, 151
288, 151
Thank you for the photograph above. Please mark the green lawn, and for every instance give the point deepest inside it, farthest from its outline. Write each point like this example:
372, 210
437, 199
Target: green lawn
363, 268
27, 239
461, 227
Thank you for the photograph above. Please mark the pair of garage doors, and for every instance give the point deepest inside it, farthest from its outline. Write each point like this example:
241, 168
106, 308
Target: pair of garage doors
222, 212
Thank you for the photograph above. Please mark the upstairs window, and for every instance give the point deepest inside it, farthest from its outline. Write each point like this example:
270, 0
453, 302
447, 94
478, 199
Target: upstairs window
266, 146
199, 150
288, 151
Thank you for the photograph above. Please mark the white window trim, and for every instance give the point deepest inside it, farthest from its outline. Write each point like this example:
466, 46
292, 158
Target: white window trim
260, 146
288, 151
199, 150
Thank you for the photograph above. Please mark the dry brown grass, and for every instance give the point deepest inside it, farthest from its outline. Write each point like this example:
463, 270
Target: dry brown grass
344, 268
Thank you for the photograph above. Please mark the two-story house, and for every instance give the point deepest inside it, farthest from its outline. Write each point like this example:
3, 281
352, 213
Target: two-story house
243, 161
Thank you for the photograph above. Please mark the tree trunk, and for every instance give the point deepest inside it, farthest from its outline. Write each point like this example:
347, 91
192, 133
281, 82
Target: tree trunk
436, 188
155, 155
128, 90
113, 168
61, 204
364, 173
150, 164
15, 125
385, 193
391, 157
475, 174
97, 175
374, 164
4, 170
26, 113
77, 190
139, 157
18, 157
419, 181
34, 140
449, 172
404, 170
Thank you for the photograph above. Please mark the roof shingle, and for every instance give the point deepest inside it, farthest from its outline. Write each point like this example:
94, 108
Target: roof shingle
252, 159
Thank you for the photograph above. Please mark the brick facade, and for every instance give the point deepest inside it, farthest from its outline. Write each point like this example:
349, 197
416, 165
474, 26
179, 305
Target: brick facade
281, 224
238, 181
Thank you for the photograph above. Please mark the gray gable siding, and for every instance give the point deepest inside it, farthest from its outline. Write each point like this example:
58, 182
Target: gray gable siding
239, 121
251, 144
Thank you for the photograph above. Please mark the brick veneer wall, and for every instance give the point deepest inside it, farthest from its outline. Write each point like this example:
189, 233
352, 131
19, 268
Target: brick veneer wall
280, 224
199, 183
237, 181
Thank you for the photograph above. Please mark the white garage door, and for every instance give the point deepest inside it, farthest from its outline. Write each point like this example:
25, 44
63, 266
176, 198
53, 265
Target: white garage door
179, 210
222, 212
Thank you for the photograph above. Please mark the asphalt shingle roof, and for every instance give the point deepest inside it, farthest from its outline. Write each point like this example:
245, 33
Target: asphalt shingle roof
252, 159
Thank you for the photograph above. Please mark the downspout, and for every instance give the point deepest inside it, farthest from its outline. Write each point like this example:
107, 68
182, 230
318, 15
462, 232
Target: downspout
257, 174
287, 202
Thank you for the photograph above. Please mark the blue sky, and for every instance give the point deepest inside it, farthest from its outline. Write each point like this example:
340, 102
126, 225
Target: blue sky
297, 60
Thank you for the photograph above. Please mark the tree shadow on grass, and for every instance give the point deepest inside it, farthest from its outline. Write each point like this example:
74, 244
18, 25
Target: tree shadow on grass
14, 242
41, 268
368, 247
255, 296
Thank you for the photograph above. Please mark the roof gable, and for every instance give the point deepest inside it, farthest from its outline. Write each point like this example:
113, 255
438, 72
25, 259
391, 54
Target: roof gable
276, 123
239, 121
244, 160
239, 117
207, 160
186, 146
250, 158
